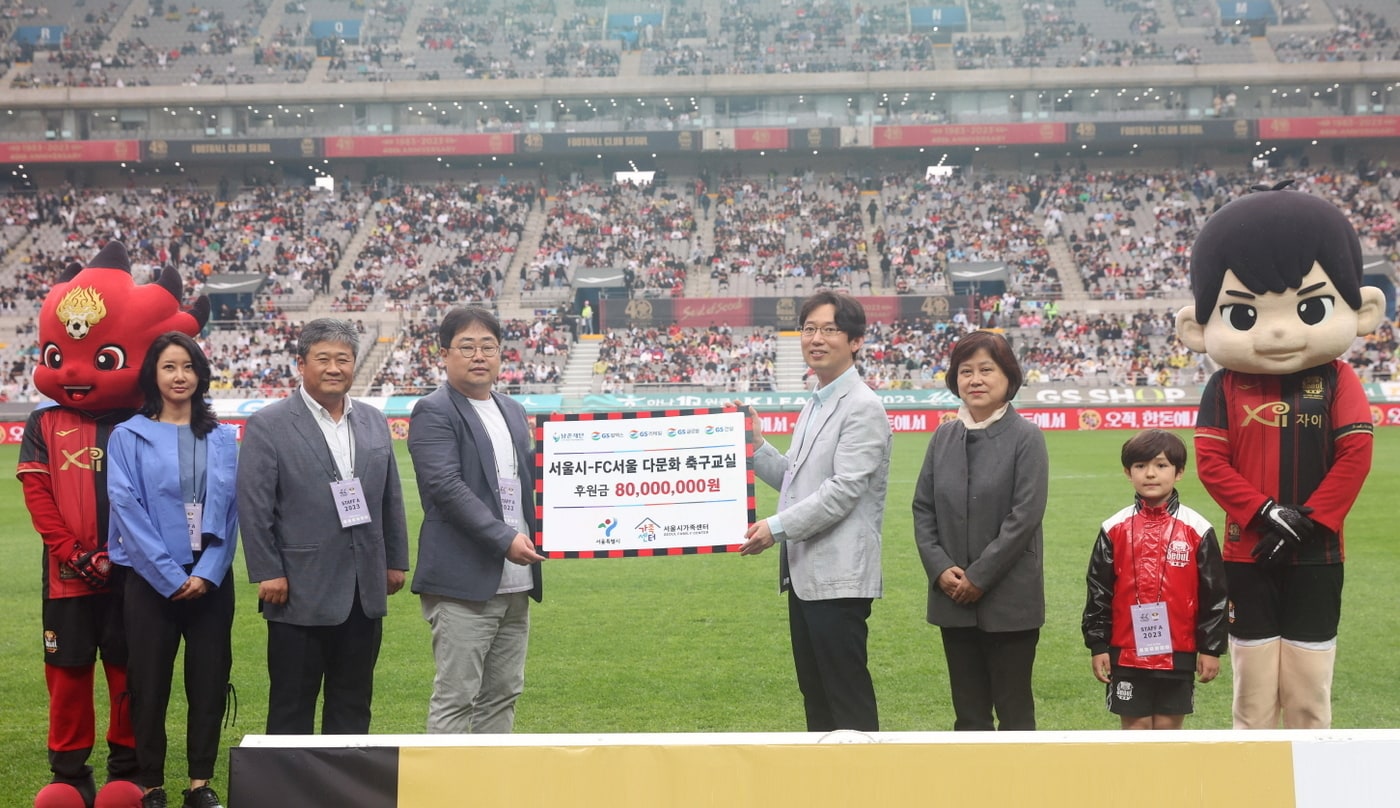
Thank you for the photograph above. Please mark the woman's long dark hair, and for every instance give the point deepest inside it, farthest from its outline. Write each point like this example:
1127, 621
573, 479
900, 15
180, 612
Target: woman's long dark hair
202, 419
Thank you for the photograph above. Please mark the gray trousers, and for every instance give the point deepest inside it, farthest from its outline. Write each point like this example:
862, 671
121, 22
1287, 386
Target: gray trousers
479, 650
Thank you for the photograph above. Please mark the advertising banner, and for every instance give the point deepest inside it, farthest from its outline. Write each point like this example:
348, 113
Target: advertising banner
40, 36
759, 139
70, 151
608, 142
1323, 128
779, 312
419, 145
923, 17
1159, 133
336, 29
614, 485
286, 148
971, 134
827, 137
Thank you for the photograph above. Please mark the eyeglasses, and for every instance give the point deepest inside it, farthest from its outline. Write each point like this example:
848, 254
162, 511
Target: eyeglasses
827, 331
468, 351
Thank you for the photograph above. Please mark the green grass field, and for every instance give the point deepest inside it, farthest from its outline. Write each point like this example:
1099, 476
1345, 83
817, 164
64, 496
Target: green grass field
699, 644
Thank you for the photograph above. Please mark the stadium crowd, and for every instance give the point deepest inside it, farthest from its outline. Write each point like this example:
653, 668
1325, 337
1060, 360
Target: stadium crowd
493, 39
716, 359
789, 237
427, 247
646, 232
533, 355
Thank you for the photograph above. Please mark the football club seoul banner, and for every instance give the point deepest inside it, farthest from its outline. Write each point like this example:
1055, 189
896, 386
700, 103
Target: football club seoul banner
621, 484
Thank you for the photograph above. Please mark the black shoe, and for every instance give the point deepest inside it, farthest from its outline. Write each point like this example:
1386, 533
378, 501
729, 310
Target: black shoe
155, 798
202, 797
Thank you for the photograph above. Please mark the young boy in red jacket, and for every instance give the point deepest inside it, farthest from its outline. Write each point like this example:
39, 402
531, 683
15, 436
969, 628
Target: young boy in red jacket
1155, 614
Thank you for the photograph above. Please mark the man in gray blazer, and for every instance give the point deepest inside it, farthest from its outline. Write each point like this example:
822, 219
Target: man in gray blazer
324, 536
830, 507
477, 565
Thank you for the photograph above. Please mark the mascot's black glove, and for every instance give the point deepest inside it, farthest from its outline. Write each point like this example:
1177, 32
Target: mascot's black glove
1283, 530
93, 566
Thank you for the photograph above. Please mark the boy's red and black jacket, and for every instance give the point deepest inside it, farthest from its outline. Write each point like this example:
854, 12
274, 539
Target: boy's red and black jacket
1147, 554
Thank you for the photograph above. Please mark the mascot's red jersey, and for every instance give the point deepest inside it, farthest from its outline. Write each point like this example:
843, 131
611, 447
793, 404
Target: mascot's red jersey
94, 329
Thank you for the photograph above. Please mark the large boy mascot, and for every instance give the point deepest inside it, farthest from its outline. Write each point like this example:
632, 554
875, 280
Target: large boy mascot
94, 329
1284, 434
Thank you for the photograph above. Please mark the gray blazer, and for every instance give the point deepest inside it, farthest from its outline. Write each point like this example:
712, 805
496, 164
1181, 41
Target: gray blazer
985, 516
290, 524
832, 496
462, 544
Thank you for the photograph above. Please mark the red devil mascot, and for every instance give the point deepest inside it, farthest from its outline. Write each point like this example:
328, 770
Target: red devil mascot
94, 328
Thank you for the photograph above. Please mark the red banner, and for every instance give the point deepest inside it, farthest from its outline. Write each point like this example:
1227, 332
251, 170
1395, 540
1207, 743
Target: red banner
703, 313
886, 309
781, 423
971, 134
756, 139
1076, 418
418, 145
70, 151
1322, 128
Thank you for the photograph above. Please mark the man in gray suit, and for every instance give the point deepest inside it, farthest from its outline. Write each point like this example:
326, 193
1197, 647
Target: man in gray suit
324, 536
830, 507
477, 565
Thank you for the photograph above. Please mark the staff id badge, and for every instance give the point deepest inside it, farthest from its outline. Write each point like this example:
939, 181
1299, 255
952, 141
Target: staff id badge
194, 523
350, 502
510, 502
1150, 629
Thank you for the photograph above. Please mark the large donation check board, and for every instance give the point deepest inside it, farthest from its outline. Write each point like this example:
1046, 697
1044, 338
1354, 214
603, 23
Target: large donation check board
620, 484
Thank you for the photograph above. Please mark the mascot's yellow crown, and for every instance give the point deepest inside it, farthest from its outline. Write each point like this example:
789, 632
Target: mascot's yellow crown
81, 304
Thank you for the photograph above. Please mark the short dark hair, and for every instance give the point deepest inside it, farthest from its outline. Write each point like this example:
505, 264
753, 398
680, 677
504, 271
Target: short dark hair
328, 329
997, 347
1270, 239
465, 317
202, 418
850, 314
1149, 443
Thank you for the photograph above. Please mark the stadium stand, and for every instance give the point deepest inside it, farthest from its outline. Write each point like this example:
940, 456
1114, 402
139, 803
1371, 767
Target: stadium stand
719, 359
789, 237
422, 248
645, 232
533, 356
1080, 237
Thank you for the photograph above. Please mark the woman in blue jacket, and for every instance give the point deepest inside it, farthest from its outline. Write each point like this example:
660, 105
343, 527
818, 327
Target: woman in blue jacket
170, 479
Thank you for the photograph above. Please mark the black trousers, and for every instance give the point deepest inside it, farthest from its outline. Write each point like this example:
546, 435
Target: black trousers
155, 625
991, 671
829, 651
300, 658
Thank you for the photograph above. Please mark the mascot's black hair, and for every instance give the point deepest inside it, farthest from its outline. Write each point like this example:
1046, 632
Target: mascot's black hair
1271, 239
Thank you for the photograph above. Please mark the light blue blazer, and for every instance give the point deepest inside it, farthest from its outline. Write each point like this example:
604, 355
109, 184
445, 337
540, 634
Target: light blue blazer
147, 529
831, 499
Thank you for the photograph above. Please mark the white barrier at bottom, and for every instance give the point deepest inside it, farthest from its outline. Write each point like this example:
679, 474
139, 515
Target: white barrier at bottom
1324, 769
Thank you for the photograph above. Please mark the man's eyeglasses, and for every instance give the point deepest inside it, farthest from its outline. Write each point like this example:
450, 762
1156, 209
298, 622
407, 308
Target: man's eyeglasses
469, 351
827, 331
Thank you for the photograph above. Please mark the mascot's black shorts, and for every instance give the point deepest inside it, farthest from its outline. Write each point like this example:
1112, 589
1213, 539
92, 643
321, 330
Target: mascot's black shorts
75, 629
1302, 603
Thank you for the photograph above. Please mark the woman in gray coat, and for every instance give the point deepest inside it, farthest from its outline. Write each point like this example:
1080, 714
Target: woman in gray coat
978, 507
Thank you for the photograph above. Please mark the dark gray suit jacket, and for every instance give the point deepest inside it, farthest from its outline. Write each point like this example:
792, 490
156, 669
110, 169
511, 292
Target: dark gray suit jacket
462, 544
290, 524
987, 520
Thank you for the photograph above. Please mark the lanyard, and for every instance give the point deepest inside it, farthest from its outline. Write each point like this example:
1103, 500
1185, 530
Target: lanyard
1133, 558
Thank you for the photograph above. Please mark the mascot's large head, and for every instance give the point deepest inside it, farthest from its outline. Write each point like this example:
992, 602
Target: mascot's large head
1277, 279
96, 325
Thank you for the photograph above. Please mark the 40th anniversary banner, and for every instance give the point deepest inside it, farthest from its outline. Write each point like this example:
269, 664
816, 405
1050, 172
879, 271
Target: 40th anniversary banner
619, 484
